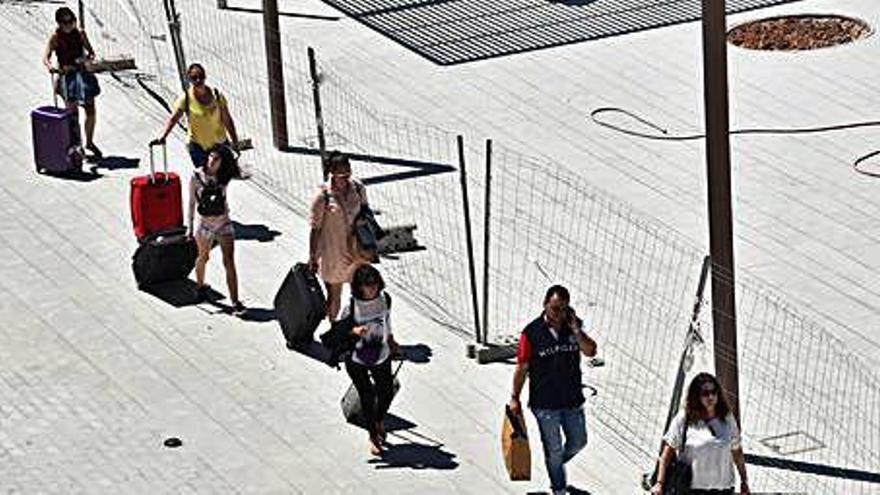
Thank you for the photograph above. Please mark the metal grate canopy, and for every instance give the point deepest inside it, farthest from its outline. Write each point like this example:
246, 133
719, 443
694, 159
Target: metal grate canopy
450, 32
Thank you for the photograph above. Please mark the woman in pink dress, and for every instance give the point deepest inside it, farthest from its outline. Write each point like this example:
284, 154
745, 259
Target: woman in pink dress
334, 210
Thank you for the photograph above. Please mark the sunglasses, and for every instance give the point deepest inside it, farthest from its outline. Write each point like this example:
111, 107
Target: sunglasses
340, 176
706, 392
68, 21
197, 79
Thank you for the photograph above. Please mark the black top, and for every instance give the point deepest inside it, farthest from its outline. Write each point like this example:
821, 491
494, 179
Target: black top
69, 47
554, 367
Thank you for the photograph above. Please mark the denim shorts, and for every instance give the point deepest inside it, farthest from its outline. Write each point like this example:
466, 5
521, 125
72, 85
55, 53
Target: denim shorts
79, 87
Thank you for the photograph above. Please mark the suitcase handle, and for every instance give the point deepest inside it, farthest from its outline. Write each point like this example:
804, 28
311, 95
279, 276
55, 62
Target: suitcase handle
52, 73
153, 144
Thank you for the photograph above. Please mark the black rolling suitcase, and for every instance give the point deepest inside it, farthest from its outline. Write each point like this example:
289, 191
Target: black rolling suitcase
164, 257
300, 305
351, 401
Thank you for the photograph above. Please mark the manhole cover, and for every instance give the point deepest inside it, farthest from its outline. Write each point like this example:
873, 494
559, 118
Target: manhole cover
172, 442
801, 32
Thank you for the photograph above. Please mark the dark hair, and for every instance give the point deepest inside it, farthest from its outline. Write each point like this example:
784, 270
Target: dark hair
693, 406
229, 168
366, 275
337, 161
558, 291
195, 66
64, 13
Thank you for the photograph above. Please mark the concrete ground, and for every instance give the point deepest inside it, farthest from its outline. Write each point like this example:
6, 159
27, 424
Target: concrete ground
96, 374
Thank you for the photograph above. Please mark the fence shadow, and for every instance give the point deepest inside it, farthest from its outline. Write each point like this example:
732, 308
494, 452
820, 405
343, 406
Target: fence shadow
296, 15
418, 168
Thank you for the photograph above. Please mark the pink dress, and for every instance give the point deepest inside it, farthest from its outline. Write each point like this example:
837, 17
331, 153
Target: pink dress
333, 215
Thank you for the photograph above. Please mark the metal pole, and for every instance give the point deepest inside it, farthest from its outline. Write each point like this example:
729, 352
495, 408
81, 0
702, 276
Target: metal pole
319, 115
692, 337
469, 237
221, 4
277, 106
82, 14
720, 215
486, 236
174, 29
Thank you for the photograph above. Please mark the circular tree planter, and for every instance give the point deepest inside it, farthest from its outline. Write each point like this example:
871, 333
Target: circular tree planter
800, 32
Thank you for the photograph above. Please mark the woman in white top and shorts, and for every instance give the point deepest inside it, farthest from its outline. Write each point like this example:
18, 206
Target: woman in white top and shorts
712, 441
207, 197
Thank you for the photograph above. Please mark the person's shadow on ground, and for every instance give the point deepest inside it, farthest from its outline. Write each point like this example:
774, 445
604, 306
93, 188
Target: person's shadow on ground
114, 163
74, 175
180, 293
416, 353
413, 353
570, 490
254, 232
414, 455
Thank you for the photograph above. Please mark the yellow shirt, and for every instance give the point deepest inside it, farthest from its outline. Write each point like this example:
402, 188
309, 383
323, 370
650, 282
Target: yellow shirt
205, 123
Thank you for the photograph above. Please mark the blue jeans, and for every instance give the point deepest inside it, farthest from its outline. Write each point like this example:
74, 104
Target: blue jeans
553, 423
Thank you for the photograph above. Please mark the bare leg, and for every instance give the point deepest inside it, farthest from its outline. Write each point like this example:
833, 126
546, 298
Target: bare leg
334, 301
91, 120
227, 247
204, 246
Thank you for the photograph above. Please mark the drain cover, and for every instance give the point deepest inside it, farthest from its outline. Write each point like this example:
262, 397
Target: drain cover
172, 442
800, 32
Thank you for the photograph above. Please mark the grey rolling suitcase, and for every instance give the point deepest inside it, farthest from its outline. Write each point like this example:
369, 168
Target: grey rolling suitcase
300, 305
351, 401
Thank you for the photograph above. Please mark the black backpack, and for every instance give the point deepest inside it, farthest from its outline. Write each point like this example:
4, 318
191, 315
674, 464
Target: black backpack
212, 199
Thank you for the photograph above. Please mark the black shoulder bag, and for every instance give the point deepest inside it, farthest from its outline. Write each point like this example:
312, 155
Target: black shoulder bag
679, 472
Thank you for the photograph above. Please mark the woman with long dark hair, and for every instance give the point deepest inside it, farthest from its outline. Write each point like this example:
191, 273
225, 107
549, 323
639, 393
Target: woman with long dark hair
369, 364
711, 439
72, 48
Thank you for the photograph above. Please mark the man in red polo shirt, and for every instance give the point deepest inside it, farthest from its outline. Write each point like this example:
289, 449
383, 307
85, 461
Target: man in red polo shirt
549, 353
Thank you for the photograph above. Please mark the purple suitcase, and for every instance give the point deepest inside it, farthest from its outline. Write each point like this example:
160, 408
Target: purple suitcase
56, 140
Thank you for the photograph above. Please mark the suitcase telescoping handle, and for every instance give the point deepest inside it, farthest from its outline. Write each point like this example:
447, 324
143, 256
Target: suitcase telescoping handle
61, 83
153, 144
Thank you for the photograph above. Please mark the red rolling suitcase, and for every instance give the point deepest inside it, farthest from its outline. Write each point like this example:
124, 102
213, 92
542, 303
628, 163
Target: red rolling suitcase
156, 204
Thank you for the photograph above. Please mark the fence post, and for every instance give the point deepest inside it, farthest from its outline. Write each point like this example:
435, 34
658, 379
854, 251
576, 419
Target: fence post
693, 336
487, 214
275, 69
718, 179
319, 115
177, 44
469, 238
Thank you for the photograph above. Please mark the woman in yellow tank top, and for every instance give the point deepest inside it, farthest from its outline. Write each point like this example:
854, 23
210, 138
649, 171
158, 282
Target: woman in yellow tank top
209, 120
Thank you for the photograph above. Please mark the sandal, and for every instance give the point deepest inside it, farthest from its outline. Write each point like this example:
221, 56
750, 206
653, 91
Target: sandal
95, 150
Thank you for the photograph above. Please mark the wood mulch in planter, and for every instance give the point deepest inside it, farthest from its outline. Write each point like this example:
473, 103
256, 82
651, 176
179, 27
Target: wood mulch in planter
798, 32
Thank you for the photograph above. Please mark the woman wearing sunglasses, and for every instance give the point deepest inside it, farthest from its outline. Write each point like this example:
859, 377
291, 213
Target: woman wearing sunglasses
333, 213
211, 128
711, 441
71, 47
